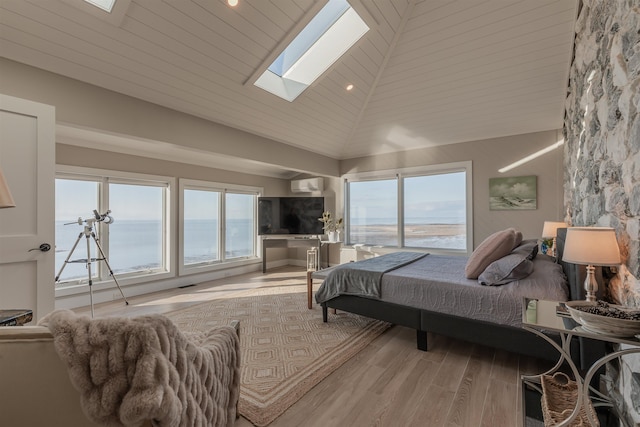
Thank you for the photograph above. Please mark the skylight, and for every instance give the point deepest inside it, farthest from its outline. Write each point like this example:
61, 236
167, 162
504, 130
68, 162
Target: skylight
325, 39
106, 5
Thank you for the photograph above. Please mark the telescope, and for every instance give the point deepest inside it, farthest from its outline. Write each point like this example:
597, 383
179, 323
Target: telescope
89, 234
97, 217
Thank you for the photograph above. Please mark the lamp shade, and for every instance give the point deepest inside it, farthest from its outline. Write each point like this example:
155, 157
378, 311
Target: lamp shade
6, 200
550, 228
591, 246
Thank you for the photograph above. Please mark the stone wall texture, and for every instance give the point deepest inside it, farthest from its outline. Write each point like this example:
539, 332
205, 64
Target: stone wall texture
602, 151
602, 124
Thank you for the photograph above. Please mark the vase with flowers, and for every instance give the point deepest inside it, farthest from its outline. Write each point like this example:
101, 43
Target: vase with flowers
331, 226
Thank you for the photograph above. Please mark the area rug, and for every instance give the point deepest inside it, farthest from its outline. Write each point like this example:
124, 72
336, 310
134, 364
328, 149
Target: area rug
286, 349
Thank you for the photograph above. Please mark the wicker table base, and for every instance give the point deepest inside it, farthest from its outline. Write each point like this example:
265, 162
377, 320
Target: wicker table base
559, 396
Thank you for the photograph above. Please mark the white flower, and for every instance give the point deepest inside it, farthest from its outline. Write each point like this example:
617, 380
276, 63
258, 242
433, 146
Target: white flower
330, 225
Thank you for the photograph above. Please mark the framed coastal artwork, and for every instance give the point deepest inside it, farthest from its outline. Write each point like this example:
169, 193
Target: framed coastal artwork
513, 193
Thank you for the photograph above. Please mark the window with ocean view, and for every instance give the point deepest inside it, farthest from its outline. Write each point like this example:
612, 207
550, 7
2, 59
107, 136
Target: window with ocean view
136, 240
240, 225
134, 237
373, 213
435, 211
74, 199
425, 208
219, 224
200, 228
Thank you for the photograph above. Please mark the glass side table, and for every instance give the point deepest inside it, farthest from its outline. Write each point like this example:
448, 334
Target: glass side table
15, 317
541, 317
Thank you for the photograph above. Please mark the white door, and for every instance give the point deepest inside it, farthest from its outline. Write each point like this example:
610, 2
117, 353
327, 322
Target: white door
27, 159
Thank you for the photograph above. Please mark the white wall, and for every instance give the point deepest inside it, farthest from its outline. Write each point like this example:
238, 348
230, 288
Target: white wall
87, 106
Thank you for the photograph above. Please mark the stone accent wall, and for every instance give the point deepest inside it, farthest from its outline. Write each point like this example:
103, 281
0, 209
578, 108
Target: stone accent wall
602, 124
602, 150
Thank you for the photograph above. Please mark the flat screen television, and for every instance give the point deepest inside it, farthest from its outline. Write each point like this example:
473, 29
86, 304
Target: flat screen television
290, 215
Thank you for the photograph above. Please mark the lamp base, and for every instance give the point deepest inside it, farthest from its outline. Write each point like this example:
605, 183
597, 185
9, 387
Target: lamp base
590, 284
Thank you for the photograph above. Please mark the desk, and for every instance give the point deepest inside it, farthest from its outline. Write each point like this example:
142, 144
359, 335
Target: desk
539, 316
287, 242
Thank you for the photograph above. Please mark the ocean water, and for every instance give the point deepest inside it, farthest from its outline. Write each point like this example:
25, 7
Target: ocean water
136, 245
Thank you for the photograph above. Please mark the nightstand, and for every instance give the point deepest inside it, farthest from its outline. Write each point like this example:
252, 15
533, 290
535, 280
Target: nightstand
15, 317
548, 317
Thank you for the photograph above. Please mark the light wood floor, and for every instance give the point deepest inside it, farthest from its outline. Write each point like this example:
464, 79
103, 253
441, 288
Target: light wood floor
390, 382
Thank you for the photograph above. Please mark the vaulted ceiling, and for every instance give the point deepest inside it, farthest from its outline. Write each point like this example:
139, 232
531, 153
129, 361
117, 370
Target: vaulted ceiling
427, 73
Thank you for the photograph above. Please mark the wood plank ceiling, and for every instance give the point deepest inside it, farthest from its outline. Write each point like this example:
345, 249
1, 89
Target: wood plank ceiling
428, 72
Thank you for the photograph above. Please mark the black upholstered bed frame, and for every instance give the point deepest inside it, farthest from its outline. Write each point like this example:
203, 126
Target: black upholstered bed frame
504, 337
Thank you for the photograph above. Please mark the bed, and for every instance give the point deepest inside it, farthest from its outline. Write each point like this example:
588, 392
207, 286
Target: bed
432, 294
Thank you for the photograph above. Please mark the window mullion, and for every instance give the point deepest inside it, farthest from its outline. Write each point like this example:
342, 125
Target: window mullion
103, 234
166, 237
222, 225
400, 207
347, 211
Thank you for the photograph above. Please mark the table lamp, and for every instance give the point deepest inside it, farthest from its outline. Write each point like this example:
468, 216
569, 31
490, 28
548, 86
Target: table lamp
550, 231
6, 200
591, 246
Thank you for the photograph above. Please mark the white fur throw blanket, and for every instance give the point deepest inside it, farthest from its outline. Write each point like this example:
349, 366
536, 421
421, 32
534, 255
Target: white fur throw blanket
129, 370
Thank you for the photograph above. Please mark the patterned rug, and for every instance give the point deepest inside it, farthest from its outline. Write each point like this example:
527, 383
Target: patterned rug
286, 349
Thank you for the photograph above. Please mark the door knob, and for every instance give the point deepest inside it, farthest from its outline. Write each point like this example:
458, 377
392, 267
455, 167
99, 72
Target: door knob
45, 247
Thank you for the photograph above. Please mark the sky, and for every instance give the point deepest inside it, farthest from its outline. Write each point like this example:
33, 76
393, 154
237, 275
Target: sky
435, 194
76, 199
441, 194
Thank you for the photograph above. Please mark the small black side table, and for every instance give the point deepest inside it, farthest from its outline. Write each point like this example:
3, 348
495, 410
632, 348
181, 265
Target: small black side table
15, 317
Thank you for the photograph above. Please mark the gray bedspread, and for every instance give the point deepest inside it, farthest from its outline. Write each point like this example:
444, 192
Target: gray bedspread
363, 278
437, 283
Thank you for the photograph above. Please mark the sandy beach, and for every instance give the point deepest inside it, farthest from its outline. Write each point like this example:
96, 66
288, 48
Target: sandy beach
443, 236
417, 230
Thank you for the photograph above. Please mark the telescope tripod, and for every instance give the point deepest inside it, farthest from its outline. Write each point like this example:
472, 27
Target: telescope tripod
88, 233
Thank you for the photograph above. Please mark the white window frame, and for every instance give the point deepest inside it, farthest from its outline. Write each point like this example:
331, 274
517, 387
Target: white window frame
105, 177
399, 174
222, 262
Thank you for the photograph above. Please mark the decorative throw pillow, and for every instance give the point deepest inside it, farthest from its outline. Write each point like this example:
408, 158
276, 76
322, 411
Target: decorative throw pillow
514, 266
518, 239
492, 248
527, 247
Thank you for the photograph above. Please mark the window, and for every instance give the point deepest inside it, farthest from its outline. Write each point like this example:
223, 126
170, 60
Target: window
200, 226
240, 225
329, 34
435, 211
136, 239
426, 208
219, 224
135, 243
106, 5
74, 198
373, 213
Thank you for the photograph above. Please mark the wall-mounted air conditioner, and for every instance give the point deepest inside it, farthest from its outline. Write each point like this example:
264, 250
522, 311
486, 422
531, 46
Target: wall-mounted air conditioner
309, 185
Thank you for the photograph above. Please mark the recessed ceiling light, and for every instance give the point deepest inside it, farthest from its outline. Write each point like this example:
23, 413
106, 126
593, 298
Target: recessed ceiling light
232, 3
349, 87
